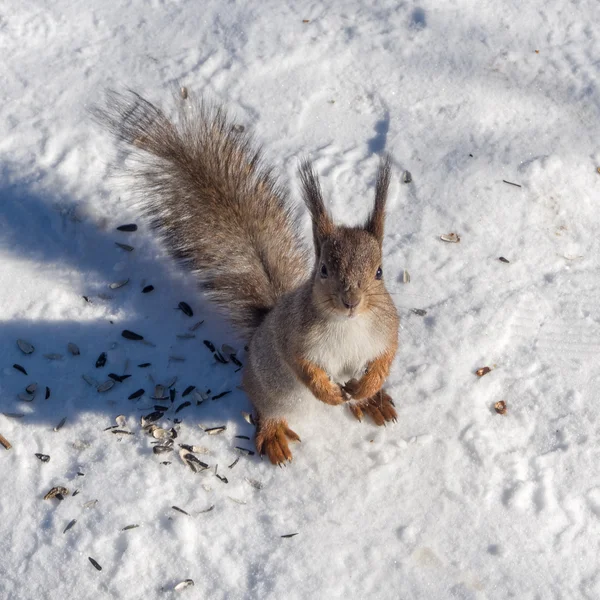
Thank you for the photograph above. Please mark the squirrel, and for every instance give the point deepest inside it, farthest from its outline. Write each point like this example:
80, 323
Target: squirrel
318, 328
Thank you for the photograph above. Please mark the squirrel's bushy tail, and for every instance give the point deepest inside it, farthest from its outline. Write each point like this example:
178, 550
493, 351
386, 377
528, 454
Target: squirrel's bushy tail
219, 210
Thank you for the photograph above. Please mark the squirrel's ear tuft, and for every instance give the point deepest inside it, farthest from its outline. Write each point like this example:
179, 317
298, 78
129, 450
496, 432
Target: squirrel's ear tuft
376, 221
313, 198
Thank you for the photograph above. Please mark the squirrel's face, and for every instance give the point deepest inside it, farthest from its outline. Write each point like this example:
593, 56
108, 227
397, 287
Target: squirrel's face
348, 274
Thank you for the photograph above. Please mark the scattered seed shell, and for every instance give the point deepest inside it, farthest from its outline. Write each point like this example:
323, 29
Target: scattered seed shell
136, 394
55, 492
25, 347
186, 309
107, 385
47, 393
128, 527
418, 311
128, 227
235, 462
504, 260
501, 407
187, 390
73, 349
71, 523
95, 563
245, 451
184, 92
406, 177
61, 424
162, 449
289, 535
13, 415
118, 284
214, 430
453, 238
184, 584
125, 247
180, 510
121, 421
101, 361
25, 397
90, 380
20, 368
221, 395
483, 371
131, 335
248, 418
206, 510
53, 356
196, 325
90, 504
31, 388
257, 485
182, 406
209, 345
405, 276
147, 289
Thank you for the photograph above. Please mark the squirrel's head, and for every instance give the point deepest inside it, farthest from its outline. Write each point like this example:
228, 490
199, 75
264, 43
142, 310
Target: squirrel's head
348, 274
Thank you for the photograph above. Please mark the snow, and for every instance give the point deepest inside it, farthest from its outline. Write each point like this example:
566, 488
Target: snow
453, 501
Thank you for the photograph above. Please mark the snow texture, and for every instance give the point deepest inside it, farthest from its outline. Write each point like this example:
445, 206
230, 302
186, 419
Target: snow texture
453, 501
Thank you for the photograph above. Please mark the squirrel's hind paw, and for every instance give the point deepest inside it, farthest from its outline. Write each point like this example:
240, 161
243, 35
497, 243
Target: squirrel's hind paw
379, 407
272, 439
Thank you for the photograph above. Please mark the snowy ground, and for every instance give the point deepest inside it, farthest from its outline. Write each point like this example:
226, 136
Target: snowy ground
453, 501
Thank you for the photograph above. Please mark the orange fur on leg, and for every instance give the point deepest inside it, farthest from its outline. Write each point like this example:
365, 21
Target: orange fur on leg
372, 381
272, 439
318, 382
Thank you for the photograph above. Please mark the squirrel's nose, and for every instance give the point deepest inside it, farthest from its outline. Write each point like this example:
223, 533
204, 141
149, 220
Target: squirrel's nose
350, 303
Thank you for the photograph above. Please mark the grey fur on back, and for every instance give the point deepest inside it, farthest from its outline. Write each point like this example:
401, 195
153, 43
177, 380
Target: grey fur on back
219, 210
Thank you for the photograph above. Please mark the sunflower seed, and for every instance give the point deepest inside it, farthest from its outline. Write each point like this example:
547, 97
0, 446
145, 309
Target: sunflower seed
223, 479
13, 415
453, 238
196, 325
504, 260
405, 276
47, 393
235, 462
170, 383
25, 397
31, 388
121, 421
161, 449
237, 500
20, 368
198, 397
195, 449
180, 510
209, 345
125, 247
101, 361
25, 347
406, 177
147, 289
43, 457
131, 335
191, 461
90, 504
182, 406
254, 483
122, 432
289, 535
214, 430
501, 407
186, 309
60, 425
118, 378
206, 510
235, 361
71, 523
245, 451
118, 284
73, 349
144, 365
483, 371
107, 385
90, 380
128, 527
95, 563
248, 418
128, 227
418, 311
221, 395
242, 437
153, 416
162, 434
57, 491
159, 392
187, 390
220, 358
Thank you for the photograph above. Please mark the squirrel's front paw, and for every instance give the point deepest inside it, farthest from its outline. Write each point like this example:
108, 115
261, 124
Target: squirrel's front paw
365, 387
380, 408
272, 439
332, 394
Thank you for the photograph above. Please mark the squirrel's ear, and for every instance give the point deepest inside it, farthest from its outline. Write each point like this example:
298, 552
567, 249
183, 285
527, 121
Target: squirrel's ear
376, 220
313, 198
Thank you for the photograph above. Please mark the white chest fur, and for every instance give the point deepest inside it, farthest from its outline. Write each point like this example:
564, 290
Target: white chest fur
344, 347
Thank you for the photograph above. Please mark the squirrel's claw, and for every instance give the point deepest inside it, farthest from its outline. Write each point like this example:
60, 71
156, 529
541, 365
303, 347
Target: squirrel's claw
379, 407
272, 439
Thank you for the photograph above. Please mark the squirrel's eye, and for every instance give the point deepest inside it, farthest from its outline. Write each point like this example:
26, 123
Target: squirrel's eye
379, 273
323, 271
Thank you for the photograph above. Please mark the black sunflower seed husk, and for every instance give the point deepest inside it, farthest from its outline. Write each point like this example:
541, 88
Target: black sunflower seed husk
101, 360
148, 289
20, 368
220, 358
154, 416
128, 227
160, 408
235, 360
137, 394
221, 395
118, 378
43, 457
188, 390
186, 309
131, 335
47, 392
144, 365
182, 406
209, 345
95, 563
